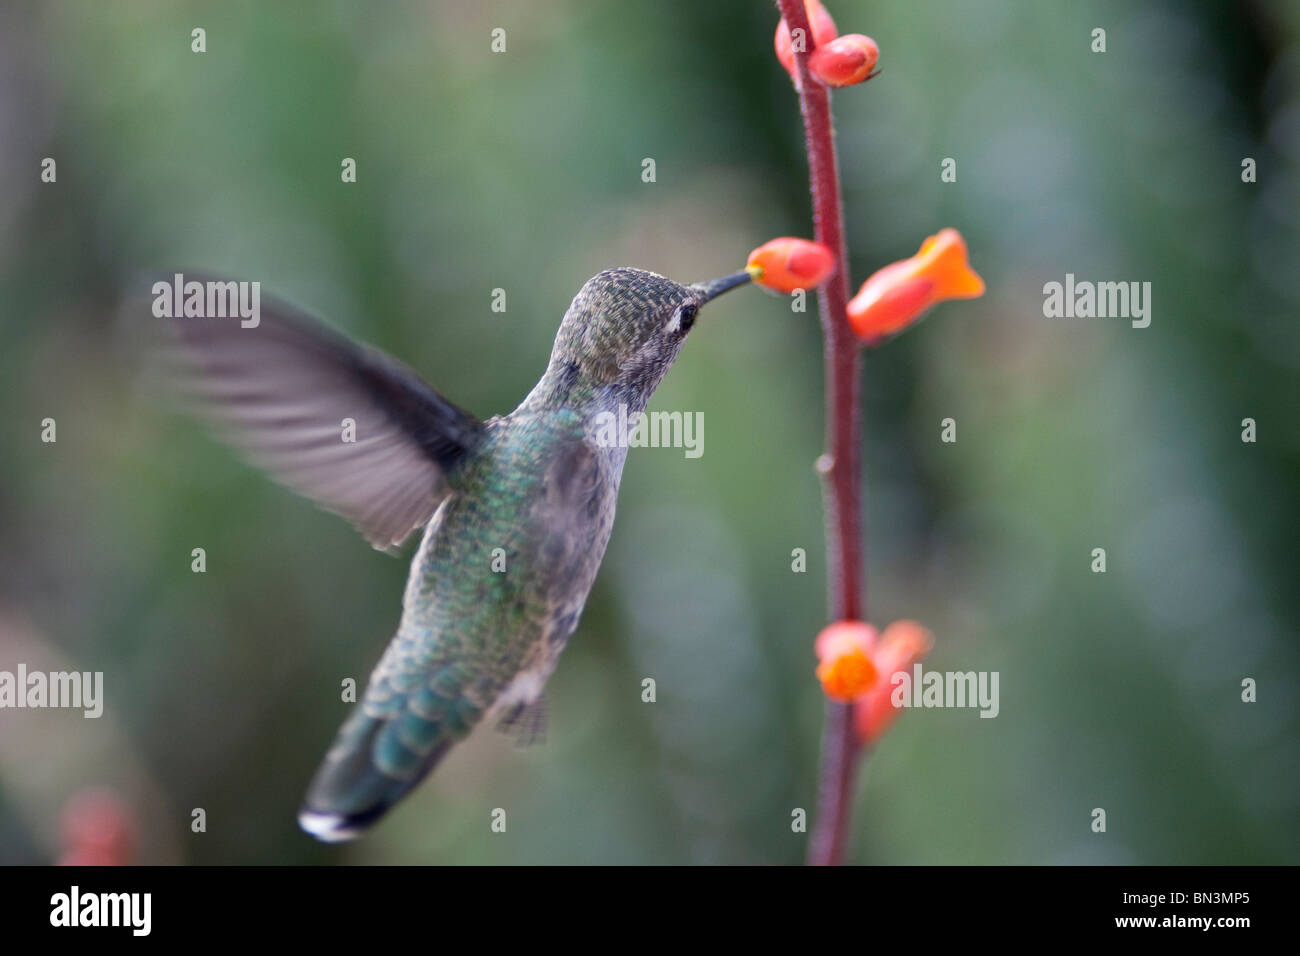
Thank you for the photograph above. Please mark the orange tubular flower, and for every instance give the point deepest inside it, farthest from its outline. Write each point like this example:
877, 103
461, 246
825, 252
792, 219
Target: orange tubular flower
787, 264
901, 645
823, 31
857, 664
901, 292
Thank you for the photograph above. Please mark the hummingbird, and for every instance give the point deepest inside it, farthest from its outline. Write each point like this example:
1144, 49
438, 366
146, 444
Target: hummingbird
515, 511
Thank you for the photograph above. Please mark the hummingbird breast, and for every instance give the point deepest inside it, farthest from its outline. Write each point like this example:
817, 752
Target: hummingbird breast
505, 567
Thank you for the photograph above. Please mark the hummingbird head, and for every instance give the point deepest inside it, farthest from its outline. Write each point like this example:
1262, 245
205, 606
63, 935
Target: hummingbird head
623, 330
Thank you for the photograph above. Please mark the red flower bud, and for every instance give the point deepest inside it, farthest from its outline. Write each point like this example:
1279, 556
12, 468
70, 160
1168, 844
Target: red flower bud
786, 264
845, 60
98, 829
823, 31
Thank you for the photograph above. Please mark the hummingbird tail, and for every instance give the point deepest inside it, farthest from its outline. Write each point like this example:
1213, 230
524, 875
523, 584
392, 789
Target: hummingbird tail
350, 791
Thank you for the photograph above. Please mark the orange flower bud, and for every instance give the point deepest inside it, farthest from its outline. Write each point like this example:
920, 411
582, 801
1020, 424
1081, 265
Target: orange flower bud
845, 60
786, 264
823, 31
900, 646
897, 295
846, 669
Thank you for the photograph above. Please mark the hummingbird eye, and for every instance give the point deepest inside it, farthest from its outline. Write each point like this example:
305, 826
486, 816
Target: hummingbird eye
686, 317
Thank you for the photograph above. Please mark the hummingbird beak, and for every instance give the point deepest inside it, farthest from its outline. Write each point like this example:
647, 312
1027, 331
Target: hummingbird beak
715, 287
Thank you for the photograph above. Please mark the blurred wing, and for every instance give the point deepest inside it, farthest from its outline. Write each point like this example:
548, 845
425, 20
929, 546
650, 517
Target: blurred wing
281, 392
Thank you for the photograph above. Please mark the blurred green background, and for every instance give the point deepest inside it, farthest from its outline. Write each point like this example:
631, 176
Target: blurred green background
523, 171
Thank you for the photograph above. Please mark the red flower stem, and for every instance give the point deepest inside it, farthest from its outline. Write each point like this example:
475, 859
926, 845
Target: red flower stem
841, 466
